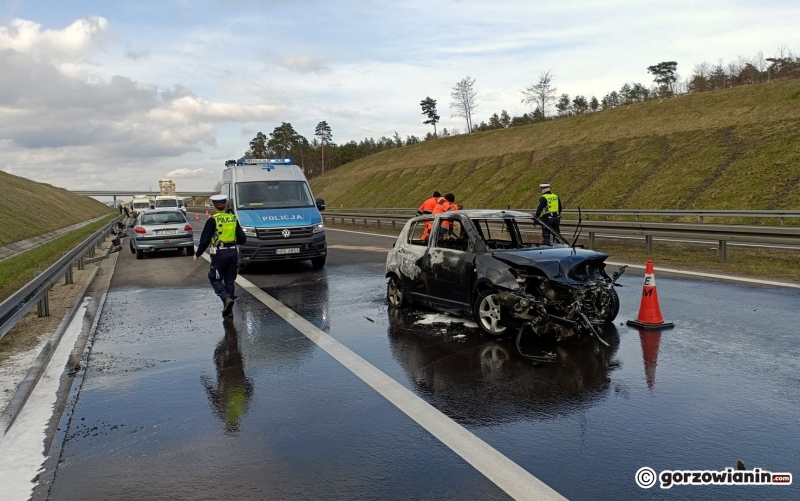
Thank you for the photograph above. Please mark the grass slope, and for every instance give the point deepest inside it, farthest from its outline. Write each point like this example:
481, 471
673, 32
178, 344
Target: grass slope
28, 208
732, 149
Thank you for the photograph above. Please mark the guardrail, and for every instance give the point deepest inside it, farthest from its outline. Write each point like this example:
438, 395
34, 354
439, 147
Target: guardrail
35, 292
638, 214
721, 233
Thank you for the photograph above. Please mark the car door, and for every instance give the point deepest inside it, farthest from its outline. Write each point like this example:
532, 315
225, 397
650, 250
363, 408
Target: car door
413, 261
451, 263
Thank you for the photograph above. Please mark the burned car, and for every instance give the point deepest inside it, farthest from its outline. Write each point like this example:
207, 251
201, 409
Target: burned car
491, 265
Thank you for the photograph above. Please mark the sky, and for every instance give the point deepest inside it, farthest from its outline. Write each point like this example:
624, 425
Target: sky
107, 95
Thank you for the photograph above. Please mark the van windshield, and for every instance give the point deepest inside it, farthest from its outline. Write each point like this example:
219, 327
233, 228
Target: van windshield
141, 205
273, 195
170, 202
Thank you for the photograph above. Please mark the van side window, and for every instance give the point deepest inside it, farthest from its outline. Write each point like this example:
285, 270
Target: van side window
418, 234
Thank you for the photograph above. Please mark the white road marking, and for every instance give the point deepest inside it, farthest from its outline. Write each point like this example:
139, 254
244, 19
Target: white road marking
711, 275
23, 446
506, 474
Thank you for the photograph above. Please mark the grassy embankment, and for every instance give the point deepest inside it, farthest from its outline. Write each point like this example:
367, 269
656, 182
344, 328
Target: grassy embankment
19, 270
732, 149
28, 208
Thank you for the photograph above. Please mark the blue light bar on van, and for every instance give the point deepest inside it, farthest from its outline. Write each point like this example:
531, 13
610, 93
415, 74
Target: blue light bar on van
272, 161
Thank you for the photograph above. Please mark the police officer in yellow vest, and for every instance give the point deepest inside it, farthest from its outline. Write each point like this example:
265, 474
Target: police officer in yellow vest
220, 236
549, 211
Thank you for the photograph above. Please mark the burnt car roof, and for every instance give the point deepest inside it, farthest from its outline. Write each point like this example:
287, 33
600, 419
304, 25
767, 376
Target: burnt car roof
478, 213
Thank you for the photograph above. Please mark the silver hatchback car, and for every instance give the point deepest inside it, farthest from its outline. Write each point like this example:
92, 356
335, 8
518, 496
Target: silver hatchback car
159, 229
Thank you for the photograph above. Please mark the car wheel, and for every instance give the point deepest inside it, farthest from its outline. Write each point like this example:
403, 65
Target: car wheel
242, 268
139, 254
614, 307
133, 250
190, 251
395, 294
318, 262
488, 314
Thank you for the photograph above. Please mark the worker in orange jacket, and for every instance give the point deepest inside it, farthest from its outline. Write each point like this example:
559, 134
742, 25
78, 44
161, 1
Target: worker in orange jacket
427, 208
428, 205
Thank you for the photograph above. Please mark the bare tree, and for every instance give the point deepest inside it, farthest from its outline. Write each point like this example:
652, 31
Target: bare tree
541, 93
464, 100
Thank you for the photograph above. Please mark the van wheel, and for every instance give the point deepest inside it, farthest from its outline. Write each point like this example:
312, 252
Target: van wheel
487, 312
139, 254
318, 262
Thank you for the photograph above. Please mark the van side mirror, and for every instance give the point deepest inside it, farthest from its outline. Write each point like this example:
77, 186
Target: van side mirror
320, 204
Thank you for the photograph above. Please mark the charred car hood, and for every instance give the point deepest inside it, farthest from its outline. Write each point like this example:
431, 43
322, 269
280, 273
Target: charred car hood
563, 264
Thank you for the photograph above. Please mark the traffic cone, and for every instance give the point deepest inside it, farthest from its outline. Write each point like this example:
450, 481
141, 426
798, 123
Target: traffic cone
207, 214
649, 311
197, 216
650, 342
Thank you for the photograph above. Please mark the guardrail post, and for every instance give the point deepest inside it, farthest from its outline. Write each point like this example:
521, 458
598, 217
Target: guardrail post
354, 221
392, 224
365, 223
68, 275
591, 240
378, 222
701, 218
80, 263
783, 221
723, 251
648, 241
637, 217
91, 250
43, 306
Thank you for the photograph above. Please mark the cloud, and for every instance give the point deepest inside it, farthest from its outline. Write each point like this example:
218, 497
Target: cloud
76, 40
184, 172
299, 63
136, 55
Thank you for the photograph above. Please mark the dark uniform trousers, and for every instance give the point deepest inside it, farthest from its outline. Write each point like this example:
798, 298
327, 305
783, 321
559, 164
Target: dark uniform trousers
553, 222
224, 267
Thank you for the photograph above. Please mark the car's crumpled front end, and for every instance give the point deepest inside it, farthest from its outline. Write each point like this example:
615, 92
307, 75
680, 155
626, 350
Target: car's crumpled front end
559, 291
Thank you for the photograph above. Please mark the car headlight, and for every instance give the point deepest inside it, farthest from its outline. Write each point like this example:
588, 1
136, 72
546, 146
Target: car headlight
250, 232
319, 227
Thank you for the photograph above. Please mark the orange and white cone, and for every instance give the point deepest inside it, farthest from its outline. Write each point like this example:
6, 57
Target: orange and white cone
197, 216
649, 310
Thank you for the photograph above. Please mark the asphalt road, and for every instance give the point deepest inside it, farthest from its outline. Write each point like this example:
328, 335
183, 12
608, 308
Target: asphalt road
178, 404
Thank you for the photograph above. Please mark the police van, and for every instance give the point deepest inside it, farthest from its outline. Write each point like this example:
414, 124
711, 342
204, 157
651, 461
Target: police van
272, 200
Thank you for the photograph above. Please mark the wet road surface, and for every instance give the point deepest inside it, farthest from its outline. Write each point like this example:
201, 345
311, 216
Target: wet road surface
177, 403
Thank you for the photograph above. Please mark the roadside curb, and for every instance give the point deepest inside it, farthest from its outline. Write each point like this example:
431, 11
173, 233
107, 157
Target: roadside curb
28, 383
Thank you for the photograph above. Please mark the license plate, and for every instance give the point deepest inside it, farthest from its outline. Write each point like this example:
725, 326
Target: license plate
166, 232
291, 250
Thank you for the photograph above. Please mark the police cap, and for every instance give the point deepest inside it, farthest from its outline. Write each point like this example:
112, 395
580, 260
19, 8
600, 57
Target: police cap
544, 185
219, 199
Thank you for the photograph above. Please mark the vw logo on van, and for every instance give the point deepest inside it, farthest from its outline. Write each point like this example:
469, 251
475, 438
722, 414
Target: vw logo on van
286, 233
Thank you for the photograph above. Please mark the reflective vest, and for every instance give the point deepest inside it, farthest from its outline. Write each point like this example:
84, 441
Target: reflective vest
428, 205
226, 229
552, 204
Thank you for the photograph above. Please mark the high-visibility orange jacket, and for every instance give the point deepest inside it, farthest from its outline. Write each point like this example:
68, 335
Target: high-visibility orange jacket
442, 205
428, 205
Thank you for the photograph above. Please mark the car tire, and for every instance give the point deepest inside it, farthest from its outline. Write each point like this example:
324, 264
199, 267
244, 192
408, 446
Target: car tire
318, 262
133, 249
190, 251
139, 254
395, 293
487, 313
614, 307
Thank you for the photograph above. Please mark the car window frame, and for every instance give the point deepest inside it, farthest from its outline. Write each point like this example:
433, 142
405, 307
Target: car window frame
414, 224
464, 231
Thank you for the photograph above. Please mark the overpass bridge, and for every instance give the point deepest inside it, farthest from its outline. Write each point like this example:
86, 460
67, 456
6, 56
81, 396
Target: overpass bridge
133, 192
